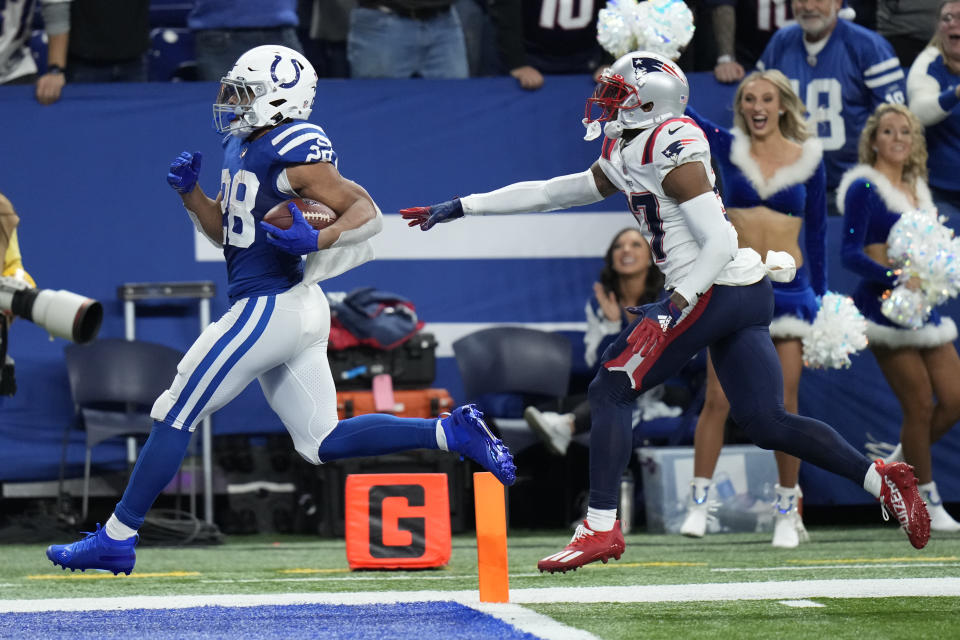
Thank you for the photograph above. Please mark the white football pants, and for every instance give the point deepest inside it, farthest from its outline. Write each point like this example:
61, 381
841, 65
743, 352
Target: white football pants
280, 340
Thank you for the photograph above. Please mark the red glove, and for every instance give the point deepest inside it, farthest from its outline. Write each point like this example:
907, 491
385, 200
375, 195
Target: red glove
658, 319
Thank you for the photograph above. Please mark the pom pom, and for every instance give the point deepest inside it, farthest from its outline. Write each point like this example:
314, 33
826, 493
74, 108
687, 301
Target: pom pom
906, 307
924, 250
838, 331
614, 32
661, 26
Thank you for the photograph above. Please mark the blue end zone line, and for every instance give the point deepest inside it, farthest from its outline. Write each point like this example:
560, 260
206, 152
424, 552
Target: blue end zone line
452, 615
397, 621
402, 621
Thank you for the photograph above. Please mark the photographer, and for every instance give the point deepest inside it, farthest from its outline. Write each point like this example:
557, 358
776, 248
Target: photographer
12, 267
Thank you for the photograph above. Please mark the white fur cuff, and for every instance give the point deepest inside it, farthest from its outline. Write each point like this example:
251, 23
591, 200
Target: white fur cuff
930, 335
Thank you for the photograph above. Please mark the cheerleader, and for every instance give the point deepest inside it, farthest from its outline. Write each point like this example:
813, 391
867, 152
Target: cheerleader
920, 365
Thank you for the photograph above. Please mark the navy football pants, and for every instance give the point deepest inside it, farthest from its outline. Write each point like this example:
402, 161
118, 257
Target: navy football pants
734, 323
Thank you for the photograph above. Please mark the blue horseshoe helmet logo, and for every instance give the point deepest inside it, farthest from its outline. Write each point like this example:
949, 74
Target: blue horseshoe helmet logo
273, 73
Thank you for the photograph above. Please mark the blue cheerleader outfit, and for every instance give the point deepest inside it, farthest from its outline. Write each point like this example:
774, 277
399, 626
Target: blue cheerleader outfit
870, 207
796, 190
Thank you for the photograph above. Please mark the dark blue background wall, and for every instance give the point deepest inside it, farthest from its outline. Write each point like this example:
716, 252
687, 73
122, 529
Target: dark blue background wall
87, 178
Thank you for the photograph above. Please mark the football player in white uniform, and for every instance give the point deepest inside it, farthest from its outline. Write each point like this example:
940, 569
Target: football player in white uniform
719, 297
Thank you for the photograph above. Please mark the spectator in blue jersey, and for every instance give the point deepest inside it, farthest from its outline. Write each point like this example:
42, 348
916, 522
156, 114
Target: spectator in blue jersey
406, 38
921, 364
774, 191
224, 29
933, 87
540, 37
277, 328
17, 65
742, 29
841, 71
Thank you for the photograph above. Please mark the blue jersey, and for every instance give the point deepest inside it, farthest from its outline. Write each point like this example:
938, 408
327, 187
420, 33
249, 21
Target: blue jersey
854, 72
253, 182
242, 14
930, 77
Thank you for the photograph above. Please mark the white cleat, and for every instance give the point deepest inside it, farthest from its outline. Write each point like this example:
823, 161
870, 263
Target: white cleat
788, 529
553, 428
940, 520
698, 510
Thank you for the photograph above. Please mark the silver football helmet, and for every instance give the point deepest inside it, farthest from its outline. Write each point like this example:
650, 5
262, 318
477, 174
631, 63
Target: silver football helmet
266, 85
637, 91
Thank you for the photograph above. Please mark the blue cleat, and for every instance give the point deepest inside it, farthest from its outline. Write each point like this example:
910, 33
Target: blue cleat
96, 551
468, 435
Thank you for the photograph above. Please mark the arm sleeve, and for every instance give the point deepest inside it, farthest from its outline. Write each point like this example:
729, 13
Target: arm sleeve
362, 233
717, 239
860, 203
599, 335
815, 229
927, 100
540, 195
724, 17
882, 75
56, 16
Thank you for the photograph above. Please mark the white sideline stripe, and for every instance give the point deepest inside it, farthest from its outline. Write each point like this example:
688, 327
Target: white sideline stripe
811, 567
801, 603
725, 591
558, 235
531, 622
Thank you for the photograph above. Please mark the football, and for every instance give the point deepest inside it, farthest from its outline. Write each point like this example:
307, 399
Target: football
317, 214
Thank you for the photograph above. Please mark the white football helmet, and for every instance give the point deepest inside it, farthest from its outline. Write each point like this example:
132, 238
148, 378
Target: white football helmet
637, 79
266, 85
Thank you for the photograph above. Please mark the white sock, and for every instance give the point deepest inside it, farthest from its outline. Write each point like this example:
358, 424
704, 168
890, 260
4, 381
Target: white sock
601, 519
930, 494
699, 487
441, 437
872, 481
116, 530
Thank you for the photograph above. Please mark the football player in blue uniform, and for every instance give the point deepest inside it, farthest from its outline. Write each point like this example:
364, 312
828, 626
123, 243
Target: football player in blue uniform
720, 297
277, 327
841, 71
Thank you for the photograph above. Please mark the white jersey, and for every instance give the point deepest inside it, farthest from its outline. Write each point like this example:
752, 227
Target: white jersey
638, 167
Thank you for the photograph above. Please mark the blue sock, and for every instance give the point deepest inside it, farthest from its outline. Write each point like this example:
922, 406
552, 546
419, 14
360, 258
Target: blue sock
157, 465
377, 433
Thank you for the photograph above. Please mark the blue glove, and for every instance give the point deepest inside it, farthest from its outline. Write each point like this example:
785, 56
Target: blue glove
426, 217
658, 318
299, 239
184, 171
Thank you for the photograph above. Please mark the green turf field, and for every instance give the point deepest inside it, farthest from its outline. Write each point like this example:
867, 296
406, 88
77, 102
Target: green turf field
724, 586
